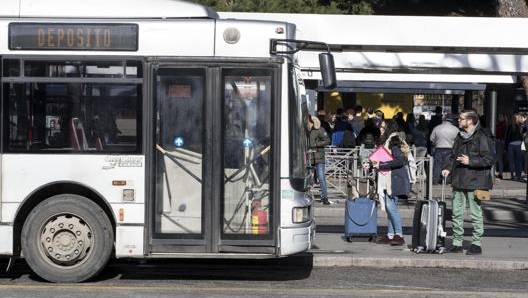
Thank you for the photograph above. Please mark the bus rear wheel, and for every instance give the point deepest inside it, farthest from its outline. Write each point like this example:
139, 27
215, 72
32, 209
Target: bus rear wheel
67, 238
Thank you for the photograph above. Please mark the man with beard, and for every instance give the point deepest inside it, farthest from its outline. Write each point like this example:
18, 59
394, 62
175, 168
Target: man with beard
470, 163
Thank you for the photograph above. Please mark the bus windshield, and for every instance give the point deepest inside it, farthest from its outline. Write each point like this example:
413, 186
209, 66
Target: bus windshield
298, 133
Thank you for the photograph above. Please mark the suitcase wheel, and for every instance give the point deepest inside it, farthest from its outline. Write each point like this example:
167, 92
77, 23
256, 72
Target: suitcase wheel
372, 238
419, 249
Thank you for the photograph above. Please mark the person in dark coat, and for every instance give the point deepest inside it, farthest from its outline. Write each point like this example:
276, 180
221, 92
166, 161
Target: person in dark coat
373, 130
339, 129
471, 161
321, 115
500, 136
317, 140
436, 119
349, 138
513, 141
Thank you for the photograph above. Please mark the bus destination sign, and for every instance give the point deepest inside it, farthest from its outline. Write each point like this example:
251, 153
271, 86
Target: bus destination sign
73, 37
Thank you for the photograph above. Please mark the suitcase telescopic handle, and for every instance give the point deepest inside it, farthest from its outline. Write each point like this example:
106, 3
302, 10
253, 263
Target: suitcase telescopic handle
444, 183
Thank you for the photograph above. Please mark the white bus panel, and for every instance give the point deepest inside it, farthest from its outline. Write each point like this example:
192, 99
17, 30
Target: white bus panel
96, 9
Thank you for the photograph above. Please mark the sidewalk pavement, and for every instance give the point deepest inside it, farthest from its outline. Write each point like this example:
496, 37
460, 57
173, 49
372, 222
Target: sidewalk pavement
504, 245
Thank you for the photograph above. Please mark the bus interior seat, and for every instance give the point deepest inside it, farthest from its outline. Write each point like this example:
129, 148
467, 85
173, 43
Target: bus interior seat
98, 143
78, 135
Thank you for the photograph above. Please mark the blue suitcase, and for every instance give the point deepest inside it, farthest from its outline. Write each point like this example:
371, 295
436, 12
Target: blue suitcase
361, 218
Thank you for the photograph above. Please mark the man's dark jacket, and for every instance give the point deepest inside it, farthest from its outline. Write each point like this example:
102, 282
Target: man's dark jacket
479, 148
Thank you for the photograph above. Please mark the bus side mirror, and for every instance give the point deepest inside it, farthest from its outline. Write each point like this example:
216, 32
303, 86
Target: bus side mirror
328, 72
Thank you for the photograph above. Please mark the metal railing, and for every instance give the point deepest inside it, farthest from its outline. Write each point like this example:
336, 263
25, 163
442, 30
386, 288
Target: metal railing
344, 163
339, 161
423, 187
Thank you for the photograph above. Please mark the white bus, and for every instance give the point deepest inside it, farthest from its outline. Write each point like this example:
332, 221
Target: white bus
148, 129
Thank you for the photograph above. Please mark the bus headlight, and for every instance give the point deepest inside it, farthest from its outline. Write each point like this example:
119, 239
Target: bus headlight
300, 214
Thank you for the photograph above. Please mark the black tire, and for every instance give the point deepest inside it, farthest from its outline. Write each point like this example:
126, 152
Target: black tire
67, 238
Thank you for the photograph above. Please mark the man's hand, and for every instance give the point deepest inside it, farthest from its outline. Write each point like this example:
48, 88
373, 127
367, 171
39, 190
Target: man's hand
463, 159
445, 173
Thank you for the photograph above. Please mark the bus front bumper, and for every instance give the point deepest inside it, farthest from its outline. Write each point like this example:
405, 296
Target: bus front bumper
296, 240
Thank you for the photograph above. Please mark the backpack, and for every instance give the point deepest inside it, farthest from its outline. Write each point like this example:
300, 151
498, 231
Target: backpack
348, 141
357, 124
337, 138
369, 142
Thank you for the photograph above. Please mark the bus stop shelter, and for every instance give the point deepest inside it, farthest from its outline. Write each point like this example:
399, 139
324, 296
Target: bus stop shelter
413, 54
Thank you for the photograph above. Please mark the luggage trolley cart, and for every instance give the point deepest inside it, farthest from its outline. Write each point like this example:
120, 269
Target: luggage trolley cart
361, 213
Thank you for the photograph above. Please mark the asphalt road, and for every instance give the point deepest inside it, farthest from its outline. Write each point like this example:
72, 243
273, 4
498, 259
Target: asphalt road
269, 278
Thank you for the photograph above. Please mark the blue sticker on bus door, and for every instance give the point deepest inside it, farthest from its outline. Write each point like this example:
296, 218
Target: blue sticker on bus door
178, 141
247, 142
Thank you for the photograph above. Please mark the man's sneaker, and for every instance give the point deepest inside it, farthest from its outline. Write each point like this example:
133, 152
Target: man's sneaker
456, 249
325, 201
397, 240
383, 239
474, 250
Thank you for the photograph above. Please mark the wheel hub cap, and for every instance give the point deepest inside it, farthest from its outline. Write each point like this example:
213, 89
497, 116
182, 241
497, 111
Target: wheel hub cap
66, 239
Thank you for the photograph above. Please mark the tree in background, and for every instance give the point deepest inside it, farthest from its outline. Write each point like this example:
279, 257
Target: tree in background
365, 7
512, 8
292, 6
483, 8
480, 8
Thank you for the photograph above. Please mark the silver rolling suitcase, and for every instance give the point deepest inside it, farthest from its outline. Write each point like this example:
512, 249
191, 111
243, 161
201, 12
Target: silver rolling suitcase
428, 231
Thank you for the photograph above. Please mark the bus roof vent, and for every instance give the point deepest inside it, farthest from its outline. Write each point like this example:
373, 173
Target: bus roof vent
110, 9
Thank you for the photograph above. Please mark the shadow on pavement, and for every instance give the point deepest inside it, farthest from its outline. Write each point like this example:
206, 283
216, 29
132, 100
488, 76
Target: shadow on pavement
277, 269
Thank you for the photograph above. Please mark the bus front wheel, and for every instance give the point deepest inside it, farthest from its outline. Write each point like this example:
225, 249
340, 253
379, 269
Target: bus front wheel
67, 238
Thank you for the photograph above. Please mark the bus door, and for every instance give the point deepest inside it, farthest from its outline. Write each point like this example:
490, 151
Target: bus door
213, 177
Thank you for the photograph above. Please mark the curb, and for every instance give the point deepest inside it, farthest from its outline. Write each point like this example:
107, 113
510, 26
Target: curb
331, 260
